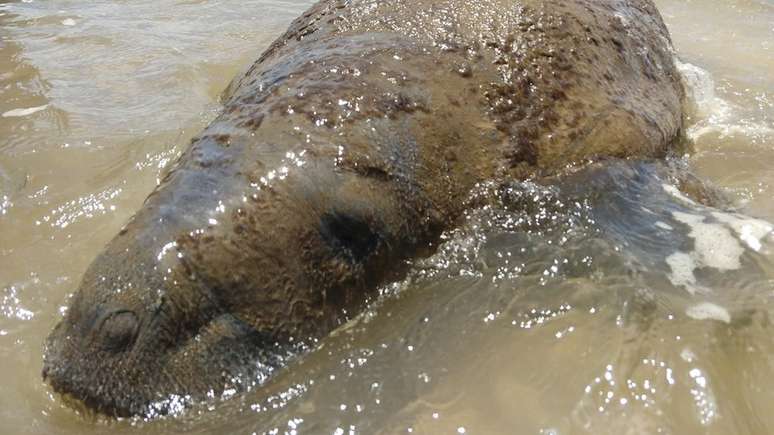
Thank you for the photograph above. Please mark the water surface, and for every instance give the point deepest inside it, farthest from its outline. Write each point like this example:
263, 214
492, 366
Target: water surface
604, 302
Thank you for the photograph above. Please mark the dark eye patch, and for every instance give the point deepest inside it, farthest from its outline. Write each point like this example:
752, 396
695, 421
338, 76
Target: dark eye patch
350, 236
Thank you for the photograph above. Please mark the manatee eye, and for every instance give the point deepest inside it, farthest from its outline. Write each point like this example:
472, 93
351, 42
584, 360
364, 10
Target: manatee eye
118, 330
349, 235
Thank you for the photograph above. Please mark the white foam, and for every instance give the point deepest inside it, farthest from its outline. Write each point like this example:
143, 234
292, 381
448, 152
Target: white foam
714, 244
68, 22
674, 191
23, 112
751, 231
715, 115
719, 245
708, 311
700, 87
682, 265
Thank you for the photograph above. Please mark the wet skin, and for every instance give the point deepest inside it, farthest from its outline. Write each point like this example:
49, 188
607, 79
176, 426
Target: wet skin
343, 152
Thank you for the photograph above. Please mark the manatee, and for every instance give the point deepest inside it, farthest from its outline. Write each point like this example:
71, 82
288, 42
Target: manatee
340, 155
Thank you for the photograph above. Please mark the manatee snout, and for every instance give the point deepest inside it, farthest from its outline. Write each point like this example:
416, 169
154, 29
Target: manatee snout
113, 351
121, 361
80, 348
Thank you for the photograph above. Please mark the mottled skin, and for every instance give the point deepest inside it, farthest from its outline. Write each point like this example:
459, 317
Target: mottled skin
345, 150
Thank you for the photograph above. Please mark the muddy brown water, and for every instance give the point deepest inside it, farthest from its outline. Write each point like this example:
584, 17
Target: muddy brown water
605, 324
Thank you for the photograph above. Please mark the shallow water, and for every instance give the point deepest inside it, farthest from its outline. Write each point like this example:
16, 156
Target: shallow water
619, 307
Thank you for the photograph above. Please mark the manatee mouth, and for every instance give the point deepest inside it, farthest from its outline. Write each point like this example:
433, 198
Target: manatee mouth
126, 380
86, 409
75, 378
93, 398
83, 401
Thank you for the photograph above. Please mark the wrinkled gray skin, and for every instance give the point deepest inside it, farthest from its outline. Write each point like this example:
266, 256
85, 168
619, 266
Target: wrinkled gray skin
345, 150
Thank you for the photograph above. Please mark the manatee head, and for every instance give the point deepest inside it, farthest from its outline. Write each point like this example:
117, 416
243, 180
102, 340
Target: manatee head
204, 293
147, 331
142, 346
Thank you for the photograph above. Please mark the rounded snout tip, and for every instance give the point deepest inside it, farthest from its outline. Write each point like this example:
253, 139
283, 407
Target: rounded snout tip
76, 363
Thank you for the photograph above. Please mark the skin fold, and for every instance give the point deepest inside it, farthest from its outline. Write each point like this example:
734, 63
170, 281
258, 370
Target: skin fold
341, 154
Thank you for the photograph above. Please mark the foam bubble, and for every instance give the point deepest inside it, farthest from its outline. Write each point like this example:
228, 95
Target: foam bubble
23, 112
715, 115
714, 244
682, 265
664, 226
708, 311
751, 231
719, 245
674, 191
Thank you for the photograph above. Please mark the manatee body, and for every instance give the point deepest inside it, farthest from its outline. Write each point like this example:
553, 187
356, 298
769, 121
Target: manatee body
345, 150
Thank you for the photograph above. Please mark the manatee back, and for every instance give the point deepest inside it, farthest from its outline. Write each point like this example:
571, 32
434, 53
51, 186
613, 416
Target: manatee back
562, 81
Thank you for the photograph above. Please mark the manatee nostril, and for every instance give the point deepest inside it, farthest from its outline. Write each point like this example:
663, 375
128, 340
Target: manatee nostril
118, 330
